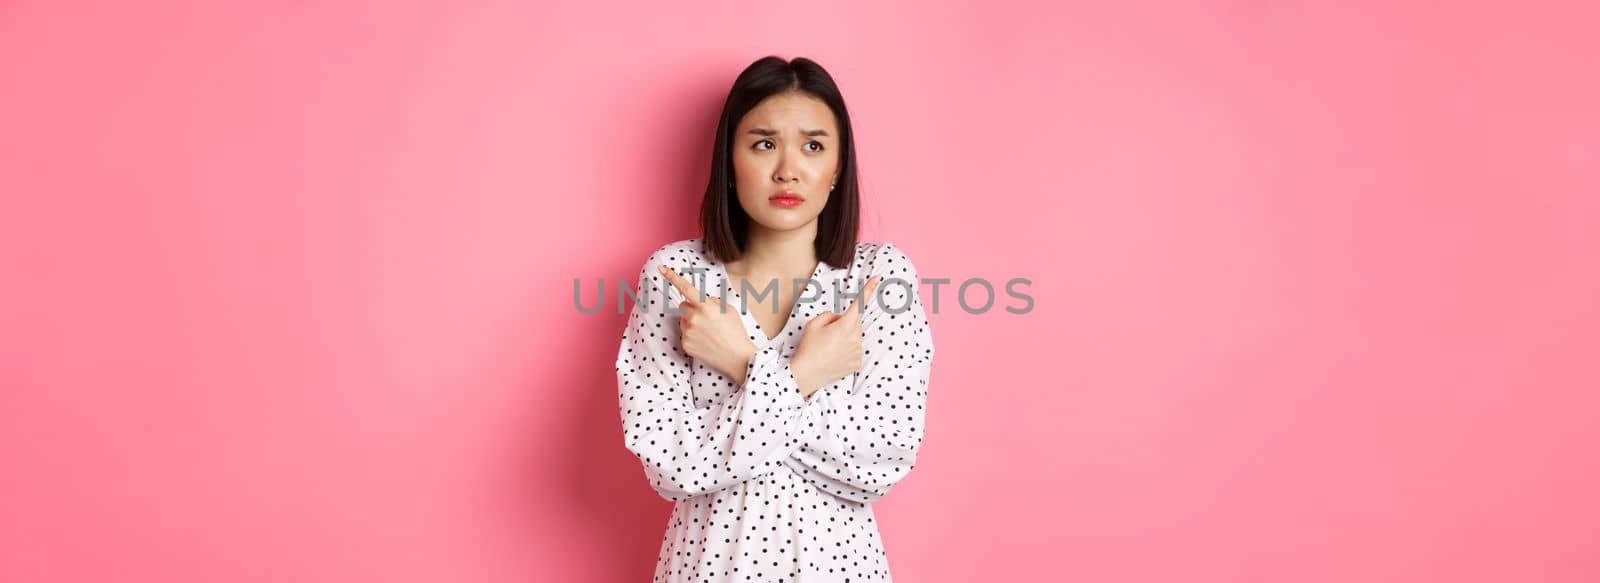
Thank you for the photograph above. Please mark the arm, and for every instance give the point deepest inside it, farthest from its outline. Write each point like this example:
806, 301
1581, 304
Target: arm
688, 451
862, 439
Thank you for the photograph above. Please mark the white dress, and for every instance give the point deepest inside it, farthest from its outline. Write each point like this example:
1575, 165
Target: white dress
769, 485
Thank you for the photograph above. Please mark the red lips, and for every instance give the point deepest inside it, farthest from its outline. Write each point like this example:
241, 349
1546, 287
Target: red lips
786, 199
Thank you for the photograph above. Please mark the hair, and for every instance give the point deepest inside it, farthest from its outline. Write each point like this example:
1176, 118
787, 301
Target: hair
723, 221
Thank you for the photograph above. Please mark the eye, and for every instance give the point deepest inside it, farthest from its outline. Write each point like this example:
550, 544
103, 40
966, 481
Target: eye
819, 145
762, 142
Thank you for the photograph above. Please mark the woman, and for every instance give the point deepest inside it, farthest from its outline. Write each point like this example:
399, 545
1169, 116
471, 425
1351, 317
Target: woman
774, 423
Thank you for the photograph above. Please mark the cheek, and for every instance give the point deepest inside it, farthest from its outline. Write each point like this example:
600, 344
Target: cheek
745, 166
827, 168
819, 201
750, 201
750, 196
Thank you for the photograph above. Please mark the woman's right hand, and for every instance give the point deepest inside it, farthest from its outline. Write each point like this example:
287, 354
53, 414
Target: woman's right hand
830, 349
711, 332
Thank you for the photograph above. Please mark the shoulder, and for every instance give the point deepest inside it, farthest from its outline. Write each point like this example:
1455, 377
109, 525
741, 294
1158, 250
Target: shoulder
884, 258
680, 255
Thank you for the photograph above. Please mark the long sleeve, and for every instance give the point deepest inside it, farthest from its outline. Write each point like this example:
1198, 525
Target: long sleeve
687, 450
862, 438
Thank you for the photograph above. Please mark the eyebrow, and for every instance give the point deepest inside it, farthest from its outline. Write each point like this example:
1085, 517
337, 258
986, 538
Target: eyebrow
767, 132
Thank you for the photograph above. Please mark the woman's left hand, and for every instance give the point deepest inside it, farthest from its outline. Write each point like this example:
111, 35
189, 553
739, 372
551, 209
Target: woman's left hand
711, 332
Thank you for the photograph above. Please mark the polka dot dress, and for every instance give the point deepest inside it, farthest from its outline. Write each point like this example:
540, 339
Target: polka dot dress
769, 485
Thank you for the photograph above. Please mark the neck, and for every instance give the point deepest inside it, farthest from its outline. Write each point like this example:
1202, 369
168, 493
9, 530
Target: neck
768, 252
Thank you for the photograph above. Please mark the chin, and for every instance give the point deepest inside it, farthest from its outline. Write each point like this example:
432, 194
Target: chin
787, 223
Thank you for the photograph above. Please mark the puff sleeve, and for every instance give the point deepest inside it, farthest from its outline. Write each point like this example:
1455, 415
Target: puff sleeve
862, 437
687, 450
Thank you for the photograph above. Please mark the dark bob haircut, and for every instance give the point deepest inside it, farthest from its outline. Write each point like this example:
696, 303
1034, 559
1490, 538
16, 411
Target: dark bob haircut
723, 222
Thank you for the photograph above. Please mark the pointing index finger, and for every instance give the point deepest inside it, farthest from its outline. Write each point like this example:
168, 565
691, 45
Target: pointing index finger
684, 287
858, 305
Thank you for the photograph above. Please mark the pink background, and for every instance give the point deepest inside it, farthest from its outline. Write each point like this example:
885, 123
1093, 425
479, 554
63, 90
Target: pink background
288, 286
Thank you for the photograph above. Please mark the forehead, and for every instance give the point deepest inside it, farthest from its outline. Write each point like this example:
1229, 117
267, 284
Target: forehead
790, 112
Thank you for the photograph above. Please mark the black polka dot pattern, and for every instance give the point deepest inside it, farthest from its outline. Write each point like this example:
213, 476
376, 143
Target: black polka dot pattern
769, 485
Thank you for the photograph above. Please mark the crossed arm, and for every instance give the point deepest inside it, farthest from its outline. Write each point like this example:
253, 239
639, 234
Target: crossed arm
854, 441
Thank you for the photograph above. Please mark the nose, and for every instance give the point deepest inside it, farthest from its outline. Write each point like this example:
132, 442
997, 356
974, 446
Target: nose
784, 172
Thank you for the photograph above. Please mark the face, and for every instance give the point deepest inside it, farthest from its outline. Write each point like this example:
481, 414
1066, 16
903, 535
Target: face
789, 143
